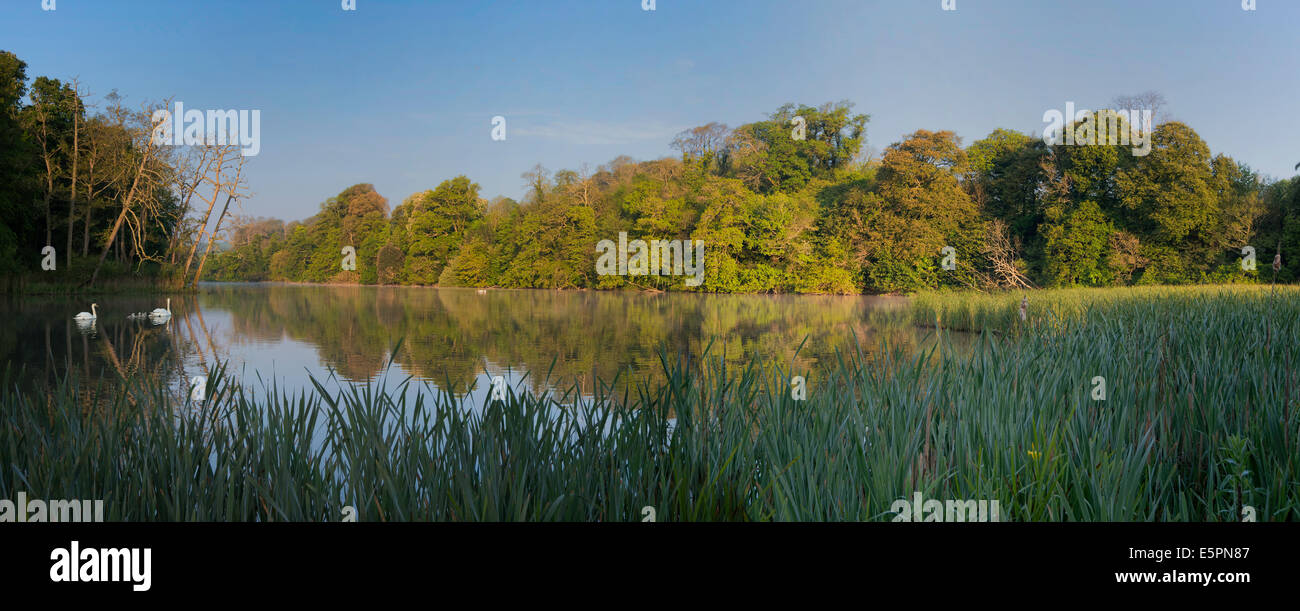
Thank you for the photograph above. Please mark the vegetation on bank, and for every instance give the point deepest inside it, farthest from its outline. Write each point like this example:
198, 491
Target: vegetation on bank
818, 215
1199, 423
1000, 311
782, 206
91, 202
114, 278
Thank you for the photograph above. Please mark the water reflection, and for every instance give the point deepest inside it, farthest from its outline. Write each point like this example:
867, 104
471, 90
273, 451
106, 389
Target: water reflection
450, 338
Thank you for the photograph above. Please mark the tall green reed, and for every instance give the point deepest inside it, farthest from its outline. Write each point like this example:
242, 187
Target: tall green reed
1199, 421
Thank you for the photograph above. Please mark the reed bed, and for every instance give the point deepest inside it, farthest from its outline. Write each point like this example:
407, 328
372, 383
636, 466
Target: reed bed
1199, 422
1000, 311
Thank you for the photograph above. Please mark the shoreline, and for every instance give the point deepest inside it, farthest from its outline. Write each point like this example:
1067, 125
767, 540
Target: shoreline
526, 288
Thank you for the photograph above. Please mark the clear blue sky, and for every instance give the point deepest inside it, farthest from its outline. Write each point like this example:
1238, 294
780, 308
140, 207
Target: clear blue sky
400, 93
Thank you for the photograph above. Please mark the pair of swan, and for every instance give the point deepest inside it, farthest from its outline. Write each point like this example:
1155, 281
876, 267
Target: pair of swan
157, 315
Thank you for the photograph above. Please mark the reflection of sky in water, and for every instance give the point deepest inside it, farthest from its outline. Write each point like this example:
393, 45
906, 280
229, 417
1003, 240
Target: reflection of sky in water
283, 336
258, 363
343, 336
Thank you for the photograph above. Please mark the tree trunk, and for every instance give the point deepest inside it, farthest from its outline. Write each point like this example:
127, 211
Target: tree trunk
49, 194
76, 149
48, 157
121, 216
199, 273
174, 243
207, 216
85, 239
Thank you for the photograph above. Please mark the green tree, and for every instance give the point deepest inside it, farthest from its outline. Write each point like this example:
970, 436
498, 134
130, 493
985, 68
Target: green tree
16, 218
919, 207
1077, 246
1170, 198
435, 225
768, 155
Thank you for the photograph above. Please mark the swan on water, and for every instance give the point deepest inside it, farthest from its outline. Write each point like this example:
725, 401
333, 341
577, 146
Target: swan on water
91, 315
162, 313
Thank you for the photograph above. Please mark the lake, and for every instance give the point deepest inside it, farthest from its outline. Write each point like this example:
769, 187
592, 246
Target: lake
445, 337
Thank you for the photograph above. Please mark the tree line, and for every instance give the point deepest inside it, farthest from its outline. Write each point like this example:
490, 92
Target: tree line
789, 204
88, 192
788, 212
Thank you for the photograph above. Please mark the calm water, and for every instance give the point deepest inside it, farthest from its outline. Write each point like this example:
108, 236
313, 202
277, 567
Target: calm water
453, 338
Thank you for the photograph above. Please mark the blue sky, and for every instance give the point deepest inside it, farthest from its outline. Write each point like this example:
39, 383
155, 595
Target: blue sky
401, 93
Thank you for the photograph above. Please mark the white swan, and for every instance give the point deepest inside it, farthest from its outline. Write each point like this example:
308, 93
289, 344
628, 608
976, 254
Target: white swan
162, 313
88, 316
137, 316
